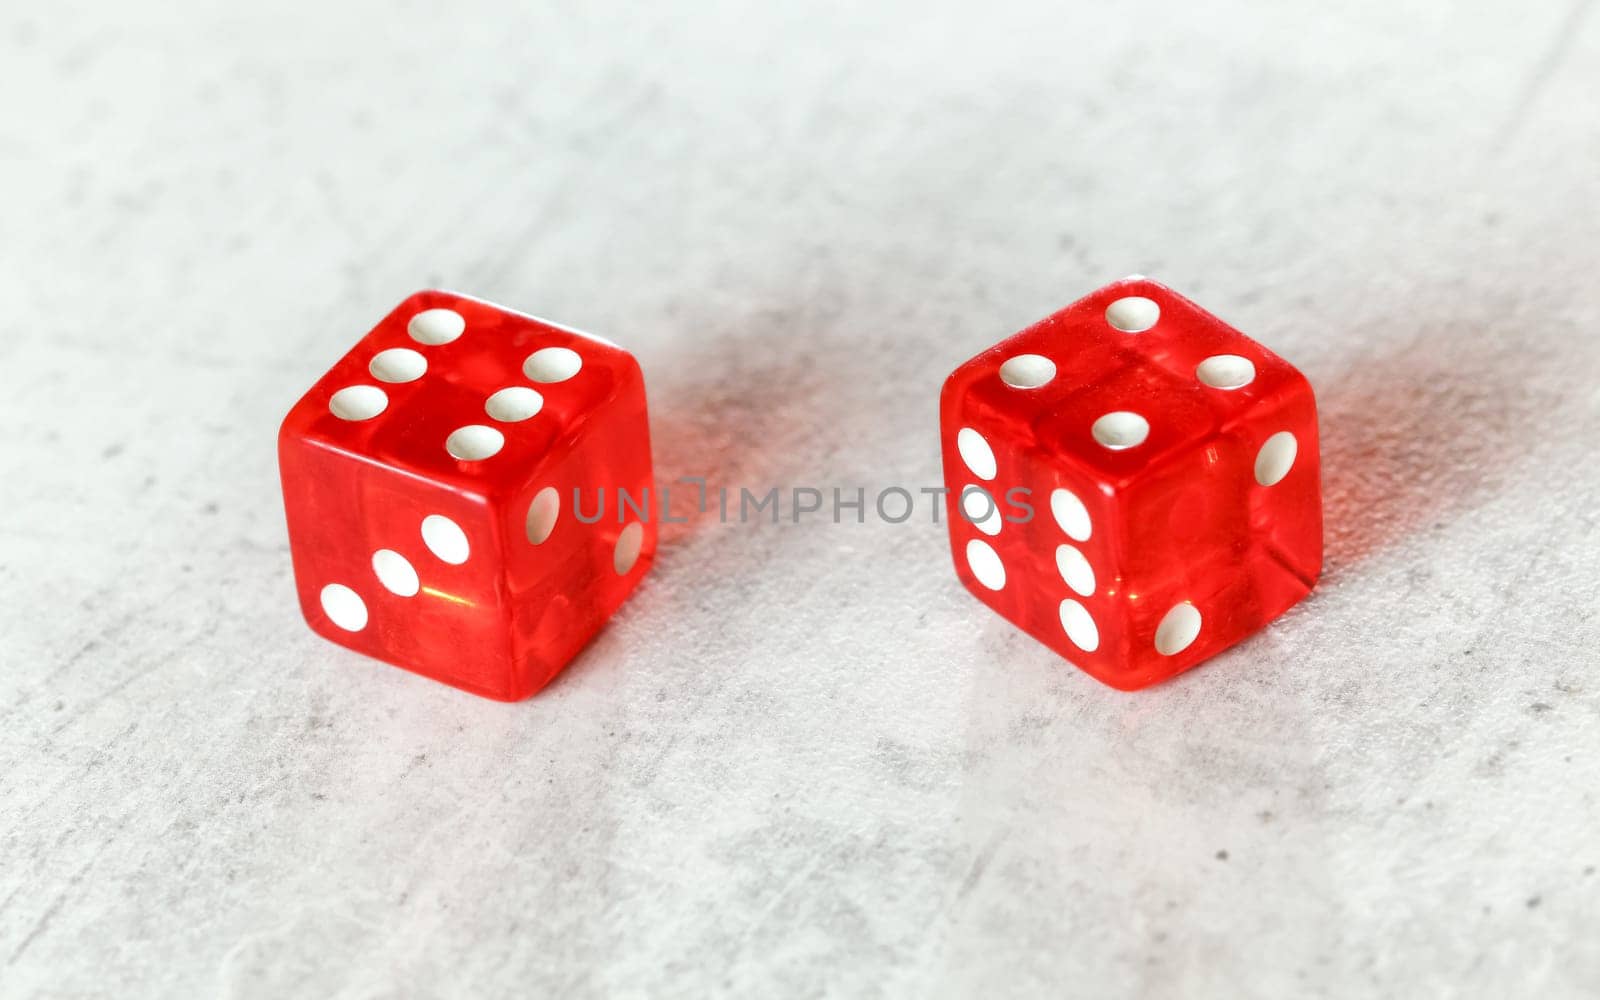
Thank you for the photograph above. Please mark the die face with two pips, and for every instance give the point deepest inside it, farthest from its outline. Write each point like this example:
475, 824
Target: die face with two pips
429, 479
1172, 504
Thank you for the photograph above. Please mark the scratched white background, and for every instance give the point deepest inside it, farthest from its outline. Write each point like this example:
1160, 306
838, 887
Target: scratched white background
801, 761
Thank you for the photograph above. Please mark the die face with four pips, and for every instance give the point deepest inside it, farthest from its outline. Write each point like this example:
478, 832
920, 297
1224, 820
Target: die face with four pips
1171, 467
429, 480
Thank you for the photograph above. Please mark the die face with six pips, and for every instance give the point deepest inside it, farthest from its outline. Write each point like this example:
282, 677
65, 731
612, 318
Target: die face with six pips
429, 479
1171, 466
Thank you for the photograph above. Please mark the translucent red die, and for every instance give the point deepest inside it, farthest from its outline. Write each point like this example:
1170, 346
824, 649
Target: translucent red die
430, 479
1133, 482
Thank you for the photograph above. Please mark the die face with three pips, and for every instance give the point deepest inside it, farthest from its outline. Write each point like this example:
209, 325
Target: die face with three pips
1169, 502
429, 479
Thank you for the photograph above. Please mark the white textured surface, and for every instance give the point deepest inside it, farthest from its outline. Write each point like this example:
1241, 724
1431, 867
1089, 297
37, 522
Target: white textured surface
801, 760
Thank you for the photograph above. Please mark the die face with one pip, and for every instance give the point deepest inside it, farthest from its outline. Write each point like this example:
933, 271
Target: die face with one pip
1171, 466
429, 479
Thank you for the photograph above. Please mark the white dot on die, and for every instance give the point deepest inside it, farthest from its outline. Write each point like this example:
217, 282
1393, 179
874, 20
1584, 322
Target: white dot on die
980, 510
1276, 458
552, 364
1071, 514
985, 564
1027, 371
1178, 629
627, 551
436, 326
398, 364
1226, 371
542, 514
344, 607
1121, 430
1075, 570
975, 451
1079, 626
513, 404
1134, 314
474, 442
358, 402
445, 539
396, 573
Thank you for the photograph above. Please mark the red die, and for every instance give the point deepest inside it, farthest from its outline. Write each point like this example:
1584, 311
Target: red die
429, 480
1133, 482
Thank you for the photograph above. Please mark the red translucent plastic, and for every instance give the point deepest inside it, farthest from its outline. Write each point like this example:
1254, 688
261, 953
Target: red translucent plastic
1196, 536
446, 565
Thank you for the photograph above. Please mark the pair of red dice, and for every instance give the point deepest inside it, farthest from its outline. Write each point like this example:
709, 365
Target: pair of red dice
1131, 481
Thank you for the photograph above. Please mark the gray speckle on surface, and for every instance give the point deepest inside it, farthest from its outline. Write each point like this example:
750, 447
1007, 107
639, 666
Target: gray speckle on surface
801, 761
